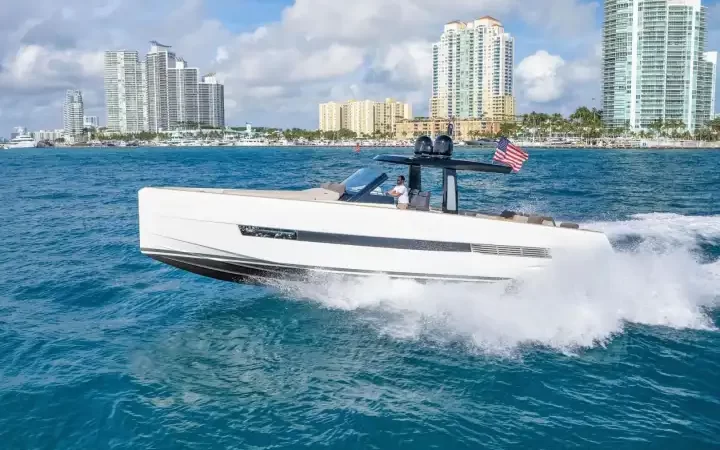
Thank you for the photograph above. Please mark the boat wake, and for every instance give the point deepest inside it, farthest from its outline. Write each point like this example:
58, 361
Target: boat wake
665, 272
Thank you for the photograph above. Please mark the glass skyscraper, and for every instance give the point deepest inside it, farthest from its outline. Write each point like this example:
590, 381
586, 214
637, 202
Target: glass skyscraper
73, 112
653, 63
124, 92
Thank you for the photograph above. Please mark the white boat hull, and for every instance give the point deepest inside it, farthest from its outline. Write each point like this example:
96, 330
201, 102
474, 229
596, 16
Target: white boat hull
14, 145
253, 236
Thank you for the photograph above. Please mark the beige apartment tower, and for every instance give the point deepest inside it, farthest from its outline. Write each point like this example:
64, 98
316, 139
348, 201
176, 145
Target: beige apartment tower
364, 117
330, 116
473, 71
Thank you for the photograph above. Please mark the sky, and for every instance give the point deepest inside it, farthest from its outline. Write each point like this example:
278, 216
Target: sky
279, 58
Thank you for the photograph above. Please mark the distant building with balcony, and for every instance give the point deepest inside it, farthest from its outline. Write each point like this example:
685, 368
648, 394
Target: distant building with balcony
654, 64
211, 102
91, 122
464, 129
125, 92
73, 113
364, 117
473, 66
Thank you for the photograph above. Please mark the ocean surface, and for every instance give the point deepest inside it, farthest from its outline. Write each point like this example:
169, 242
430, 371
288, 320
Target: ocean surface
102, 347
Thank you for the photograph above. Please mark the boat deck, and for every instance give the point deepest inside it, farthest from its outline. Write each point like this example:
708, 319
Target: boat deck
311, 195
327, 195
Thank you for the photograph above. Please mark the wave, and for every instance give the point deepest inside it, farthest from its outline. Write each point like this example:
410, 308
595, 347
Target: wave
578, 303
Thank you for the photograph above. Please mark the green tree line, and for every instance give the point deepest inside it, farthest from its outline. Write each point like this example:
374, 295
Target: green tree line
587, 124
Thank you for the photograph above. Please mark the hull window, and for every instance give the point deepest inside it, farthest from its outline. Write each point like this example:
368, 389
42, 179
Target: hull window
272, 233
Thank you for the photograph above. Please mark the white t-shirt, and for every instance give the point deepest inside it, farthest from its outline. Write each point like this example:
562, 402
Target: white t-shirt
403, 191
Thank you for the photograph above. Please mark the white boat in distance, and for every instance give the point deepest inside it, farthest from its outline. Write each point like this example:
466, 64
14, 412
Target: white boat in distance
22, 141
353, 229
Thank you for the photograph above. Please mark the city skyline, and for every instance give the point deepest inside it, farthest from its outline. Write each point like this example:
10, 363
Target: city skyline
161, 92
279, 61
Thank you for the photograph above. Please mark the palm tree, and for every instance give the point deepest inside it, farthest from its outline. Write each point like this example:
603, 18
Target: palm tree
657, 126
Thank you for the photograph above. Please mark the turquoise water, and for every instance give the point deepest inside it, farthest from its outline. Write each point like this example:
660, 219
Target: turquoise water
101, 347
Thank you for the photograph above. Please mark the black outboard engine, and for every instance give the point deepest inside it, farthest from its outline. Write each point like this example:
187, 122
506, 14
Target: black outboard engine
443, 146
423, 146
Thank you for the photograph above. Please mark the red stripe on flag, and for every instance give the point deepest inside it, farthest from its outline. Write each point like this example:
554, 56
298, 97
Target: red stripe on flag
518, 150
514, 161
519, 154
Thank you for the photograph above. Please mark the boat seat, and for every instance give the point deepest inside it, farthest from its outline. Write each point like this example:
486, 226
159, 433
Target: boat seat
571, 225
528, 218
540, 220
335, 187
419, 201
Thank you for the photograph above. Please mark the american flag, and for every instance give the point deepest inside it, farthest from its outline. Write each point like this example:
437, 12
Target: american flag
510, 155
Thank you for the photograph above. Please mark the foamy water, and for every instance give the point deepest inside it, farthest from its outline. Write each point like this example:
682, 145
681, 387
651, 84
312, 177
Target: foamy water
578, 303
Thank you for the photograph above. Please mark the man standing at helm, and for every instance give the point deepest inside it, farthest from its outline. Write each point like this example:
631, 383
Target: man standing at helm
400, 191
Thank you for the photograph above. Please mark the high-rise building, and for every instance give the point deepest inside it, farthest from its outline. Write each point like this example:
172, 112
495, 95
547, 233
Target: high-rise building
211, 102
473, 67
363, 116
91, 122
707, 85
124, 92
388, 113
183, 102
360, 116
73, 113
653, 63
158, 62
330, 116
144, 95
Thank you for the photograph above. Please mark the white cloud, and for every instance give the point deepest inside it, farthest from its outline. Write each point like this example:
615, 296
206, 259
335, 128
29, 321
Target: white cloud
35, 66
221, 54
539, 77
543, 78
332, 62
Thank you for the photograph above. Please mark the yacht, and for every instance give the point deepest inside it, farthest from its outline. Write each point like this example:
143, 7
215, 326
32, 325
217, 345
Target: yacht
250, 142
22, 141
353, 229
483, 143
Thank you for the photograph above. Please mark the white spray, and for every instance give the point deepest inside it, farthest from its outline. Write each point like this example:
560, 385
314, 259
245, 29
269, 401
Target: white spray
577, 303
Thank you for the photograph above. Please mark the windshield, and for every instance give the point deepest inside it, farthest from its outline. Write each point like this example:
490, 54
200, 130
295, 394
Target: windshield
357, 181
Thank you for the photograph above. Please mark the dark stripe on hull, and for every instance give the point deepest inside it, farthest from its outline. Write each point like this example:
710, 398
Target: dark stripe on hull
256, 271
394, 243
